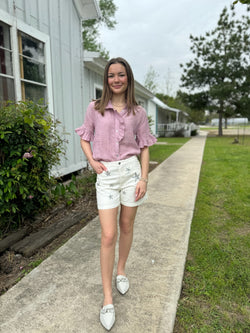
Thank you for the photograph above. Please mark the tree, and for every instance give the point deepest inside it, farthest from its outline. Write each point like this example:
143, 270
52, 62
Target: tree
245, 2
150, 81
91, 27
170, 101
168, 87
196, 105
221, 66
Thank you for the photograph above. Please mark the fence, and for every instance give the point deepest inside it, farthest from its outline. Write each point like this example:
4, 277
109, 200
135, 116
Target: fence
165, 130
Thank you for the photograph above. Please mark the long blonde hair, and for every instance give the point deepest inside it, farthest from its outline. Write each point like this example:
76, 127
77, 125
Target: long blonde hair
102, 102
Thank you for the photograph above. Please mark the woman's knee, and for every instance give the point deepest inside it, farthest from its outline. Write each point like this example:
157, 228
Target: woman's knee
109, 238
127, 218
126, 226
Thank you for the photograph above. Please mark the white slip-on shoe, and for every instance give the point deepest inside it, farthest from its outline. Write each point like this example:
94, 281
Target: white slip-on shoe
122, 284
107, 316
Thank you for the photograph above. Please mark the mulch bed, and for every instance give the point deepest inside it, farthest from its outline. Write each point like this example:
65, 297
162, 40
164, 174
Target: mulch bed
17, 261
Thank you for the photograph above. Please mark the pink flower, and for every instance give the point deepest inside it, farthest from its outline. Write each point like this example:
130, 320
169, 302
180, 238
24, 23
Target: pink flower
30, 197
27, 155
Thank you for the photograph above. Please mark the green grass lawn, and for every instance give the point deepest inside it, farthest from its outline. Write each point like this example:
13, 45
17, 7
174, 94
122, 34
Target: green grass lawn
240, 127
216, 289
159, 153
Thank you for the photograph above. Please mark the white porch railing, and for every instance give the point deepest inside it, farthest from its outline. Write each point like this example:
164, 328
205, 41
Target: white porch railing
172, 127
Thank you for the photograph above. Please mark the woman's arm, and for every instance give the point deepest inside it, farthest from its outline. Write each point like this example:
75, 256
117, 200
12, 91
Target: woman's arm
97, 166
144, 162
141, 187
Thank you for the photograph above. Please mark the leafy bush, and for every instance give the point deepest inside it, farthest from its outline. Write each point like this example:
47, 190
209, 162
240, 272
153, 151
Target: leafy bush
194, 132
30, 145
179, 133
79, 185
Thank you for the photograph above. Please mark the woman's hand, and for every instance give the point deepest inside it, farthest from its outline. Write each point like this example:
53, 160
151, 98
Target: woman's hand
98, 166
141, 189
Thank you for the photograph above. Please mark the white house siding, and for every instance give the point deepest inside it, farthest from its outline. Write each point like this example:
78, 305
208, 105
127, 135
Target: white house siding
60, 22
92, 80
5, 5
66, 49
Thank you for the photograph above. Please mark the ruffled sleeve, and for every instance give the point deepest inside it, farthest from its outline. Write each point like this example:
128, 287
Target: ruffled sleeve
143, 137
86, 131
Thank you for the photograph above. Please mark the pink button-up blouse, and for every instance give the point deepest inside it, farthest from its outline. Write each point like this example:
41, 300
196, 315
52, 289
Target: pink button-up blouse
116, 136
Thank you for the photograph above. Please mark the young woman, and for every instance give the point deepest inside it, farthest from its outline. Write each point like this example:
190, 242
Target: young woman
119, 130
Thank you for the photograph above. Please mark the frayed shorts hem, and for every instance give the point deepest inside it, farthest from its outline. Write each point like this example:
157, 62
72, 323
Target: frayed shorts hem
126, 204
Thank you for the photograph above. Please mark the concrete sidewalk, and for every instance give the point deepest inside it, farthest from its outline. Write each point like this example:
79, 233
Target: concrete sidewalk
64, 294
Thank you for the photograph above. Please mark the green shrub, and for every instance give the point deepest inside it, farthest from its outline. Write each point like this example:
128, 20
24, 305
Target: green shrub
30, 145
194, 132
179, 133
80, 185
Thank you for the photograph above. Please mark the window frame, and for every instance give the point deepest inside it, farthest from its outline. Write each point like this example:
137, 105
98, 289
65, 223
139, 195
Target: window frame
15, 26
22, 58
99, 87
8, 76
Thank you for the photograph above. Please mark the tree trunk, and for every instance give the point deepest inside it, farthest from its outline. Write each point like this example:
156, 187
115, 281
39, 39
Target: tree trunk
220, 124
225, 123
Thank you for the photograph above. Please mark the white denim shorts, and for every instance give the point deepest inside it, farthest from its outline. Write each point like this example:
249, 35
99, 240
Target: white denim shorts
117, 184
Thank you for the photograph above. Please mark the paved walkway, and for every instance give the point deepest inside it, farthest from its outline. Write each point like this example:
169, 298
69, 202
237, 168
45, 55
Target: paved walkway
64, 294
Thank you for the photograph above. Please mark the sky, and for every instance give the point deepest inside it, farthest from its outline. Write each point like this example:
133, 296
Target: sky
156, 33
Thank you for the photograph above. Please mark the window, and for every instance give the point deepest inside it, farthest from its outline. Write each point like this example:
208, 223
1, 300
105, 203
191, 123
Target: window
98, 93
25, 62
32, 67
7, 91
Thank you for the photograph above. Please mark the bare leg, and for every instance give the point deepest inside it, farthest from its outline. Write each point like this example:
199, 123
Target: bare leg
108, 219
127, 217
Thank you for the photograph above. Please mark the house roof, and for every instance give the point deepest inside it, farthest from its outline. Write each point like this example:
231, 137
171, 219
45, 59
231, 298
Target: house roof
164, 106
143, 91
87, 9
94, 62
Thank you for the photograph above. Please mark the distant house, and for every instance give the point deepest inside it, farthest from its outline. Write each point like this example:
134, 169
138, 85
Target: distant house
230, 121
170, 120
42, 57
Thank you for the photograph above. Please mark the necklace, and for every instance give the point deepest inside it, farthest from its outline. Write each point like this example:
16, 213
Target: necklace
118, 105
